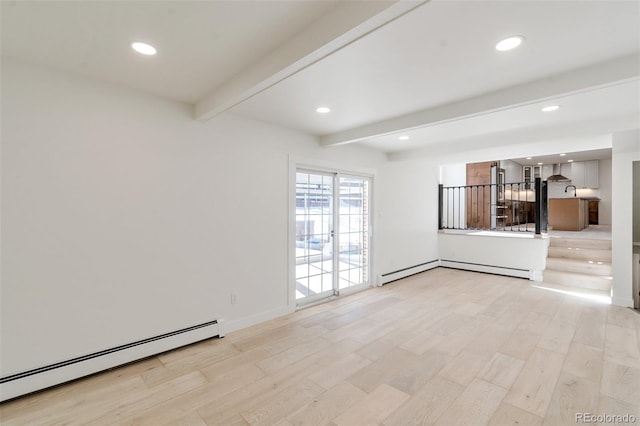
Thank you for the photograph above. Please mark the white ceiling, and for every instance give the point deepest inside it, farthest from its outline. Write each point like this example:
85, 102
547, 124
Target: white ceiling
427, 70
596, 154
605, 106
444, 51
200, 45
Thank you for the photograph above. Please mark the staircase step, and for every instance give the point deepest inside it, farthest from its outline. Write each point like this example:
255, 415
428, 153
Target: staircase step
574, 279
583, 243
595, 255
581, 266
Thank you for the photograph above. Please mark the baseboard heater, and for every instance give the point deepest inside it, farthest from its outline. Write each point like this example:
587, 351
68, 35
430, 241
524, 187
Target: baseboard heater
405, 272
490, 269
19, 384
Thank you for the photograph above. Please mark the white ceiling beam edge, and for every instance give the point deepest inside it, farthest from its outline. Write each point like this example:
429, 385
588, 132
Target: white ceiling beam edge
576, 81
529, 141
344, 24
514, 151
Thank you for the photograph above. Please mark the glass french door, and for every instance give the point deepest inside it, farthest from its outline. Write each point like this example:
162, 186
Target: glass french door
332, 234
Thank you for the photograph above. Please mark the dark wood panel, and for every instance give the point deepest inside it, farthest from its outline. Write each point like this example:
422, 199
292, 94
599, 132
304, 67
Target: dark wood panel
479, 199
593, 212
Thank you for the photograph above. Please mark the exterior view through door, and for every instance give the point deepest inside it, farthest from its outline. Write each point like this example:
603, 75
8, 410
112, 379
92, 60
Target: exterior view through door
332, 234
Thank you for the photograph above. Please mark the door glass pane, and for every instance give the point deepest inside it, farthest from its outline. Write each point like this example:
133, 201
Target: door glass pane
314, 223
353, 231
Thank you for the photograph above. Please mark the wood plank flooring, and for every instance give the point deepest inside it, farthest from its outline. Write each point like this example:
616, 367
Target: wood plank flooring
444, 347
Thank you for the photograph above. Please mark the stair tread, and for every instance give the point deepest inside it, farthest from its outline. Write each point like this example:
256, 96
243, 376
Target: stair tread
577, 261
595, 255
578, 274
579, 249
581, 266
584, 243
582, 239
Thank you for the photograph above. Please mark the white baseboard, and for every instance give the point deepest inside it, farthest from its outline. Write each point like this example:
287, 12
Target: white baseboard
405, 272
41, 378
498, 270
536, 276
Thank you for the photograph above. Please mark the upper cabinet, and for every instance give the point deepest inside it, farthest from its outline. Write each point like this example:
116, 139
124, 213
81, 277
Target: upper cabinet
584, 174
529, 173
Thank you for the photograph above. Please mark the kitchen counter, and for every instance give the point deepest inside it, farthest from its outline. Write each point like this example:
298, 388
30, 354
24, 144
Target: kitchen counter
569, 214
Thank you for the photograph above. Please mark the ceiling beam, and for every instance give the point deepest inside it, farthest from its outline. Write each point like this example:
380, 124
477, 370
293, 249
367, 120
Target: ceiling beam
523, 142
344, 24
583, 79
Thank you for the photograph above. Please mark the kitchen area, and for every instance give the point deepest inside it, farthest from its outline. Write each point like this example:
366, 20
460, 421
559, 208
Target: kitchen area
500, 196
578, 192
568, 211
578, 186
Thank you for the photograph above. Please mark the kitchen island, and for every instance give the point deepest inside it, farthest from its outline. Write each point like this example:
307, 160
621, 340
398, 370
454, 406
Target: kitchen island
569, 214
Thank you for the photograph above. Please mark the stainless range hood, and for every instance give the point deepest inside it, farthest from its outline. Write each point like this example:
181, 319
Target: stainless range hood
556, 176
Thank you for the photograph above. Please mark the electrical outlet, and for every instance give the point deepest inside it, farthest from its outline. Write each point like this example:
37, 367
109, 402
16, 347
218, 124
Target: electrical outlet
234, 298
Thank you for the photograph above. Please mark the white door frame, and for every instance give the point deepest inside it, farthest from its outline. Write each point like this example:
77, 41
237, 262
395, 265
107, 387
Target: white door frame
311, 165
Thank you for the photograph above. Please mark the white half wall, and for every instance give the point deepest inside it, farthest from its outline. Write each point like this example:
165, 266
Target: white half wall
123, 218
519, 255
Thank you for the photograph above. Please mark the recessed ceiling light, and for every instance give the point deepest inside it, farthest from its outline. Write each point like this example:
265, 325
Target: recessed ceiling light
403, 137
570, 161
550, 108
509, 43
323, 110
144, 48
540, 164
562, 155
529, 158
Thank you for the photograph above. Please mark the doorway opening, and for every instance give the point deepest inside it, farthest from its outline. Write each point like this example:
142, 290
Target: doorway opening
332, 234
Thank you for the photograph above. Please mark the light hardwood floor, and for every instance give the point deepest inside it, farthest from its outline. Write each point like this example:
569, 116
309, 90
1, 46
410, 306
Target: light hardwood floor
444, 347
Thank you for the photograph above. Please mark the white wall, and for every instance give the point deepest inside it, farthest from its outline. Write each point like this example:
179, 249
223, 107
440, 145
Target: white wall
453, 174
626, 150
124, 218
512, 171
603, 192
454, 200
636, 204
407, 220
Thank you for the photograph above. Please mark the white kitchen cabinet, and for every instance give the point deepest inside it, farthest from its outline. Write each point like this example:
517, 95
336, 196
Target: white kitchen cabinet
591, 173
584, 174
529, 173
577, 174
